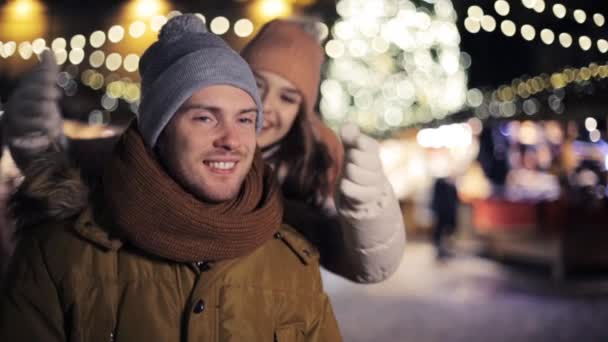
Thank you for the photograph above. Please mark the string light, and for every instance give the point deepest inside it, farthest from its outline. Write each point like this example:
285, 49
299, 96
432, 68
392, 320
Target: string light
8, 49
559, 11
76, 56
220, 25
502, 101
58, 44
488, 23
382, 72
97, 39
38, 45
599, 19
580, 16
25, 50
508, 28
78, 42
113, 61
602, 45
61, 56
97, 58
137, 29
116, 33
539, 7
565, 39
475, 12
528, 32
547, 36
585, 43
131, 62
157, 22
502, 7
243, 28
472, 25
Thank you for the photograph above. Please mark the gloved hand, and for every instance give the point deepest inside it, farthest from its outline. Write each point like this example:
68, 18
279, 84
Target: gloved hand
32, 120
371, 216
363, 182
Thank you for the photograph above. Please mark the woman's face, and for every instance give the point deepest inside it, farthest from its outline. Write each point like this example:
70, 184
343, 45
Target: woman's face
281, 102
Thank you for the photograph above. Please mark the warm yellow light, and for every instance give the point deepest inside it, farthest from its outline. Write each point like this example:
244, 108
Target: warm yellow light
472, 25
96, 81
502, 7
22, 8
599, 19
559, 10
334, 48
97, 39
590, 124
595, 136
113, 61
602, 45
547, 36
508, 28
137, 29
475, 12
148, 8
78, 42
585, 43
540, 6
488, 23
580, 16
131, 62
565, 39
22, 20
157, 22
528, 32
322, 30
76, 56
115, 89
38, 45
8, 49
116, 33
25, 50
61, 56
97, 58
243, 28
131, 92
58, 44
220, 25
270, 9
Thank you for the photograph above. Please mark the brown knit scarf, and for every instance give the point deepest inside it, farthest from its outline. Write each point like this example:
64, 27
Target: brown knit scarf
157, 215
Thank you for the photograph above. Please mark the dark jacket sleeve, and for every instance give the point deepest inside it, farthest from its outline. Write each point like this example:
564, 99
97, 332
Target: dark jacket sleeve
91, 155
30, 309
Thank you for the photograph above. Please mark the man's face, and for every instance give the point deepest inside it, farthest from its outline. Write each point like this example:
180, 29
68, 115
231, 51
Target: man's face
209, 144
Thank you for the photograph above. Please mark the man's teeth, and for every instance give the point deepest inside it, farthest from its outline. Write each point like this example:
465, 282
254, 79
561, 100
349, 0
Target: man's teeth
222, 165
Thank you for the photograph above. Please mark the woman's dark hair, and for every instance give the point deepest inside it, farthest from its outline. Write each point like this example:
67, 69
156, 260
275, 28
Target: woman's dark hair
307, 162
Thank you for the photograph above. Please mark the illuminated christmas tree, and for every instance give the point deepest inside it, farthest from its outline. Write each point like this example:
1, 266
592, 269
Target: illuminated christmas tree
393, 64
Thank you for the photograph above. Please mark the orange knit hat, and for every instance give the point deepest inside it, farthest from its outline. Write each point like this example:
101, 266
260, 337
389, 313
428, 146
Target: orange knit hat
284, 48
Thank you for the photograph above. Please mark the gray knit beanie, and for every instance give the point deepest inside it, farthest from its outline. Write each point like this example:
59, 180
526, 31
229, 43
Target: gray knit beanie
184, 59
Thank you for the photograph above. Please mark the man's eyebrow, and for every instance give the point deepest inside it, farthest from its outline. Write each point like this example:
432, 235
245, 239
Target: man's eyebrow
249, 110
210, 108
215, 109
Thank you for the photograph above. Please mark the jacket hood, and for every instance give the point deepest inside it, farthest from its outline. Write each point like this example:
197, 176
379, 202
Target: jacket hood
53, 189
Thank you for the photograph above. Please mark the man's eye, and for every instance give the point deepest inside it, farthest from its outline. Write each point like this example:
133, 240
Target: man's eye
246, 120
203, 118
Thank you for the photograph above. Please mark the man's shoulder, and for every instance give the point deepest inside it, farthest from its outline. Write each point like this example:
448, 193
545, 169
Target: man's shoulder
287, 262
